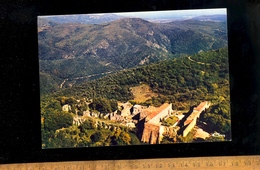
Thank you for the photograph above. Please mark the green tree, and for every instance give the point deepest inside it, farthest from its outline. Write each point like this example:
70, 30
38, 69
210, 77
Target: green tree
87, 125
101, 105
114, 105
55, 119
134, 139
54, 104
124, 138
217, 122
167, 140
170, 121
215, 139
97, 137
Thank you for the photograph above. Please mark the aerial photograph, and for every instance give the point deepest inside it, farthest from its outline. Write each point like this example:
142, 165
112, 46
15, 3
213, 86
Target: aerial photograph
134, 78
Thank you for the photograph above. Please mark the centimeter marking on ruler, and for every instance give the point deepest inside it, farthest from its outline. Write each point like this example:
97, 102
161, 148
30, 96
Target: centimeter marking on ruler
196, 163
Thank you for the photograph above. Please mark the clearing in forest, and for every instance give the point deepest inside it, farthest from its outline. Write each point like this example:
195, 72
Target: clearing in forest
142, 93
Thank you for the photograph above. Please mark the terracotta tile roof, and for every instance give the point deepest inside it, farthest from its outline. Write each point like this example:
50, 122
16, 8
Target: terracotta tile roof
192, 115
200, 106
196, 111
151, 112
188, 121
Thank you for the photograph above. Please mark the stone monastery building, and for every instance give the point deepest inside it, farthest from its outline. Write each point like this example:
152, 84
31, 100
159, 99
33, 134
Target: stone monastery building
192, 119
153, 117
152, 127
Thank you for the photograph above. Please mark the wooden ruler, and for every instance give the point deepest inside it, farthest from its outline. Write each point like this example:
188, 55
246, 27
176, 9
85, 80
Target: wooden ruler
196, 163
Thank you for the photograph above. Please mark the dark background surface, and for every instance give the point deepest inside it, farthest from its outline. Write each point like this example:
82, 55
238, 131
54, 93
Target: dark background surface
20, 138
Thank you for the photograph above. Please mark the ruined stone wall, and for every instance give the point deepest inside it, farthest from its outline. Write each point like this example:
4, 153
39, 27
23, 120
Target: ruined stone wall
126, 109
66, 108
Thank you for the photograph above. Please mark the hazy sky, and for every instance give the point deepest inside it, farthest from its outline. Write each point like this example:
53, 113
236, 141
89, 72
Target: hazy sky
171, 14
175, 13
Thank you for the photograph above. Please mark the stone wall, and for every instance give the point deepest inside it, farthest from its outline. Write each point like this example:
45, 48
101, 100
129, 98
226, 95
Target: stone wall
150, 133
126, 109
66, 108
153, 130
189, 127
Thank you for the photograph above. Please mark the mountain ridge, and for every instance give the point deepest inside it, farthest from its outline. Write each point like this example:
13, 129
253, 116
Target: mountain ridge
123, 43
83, 19
115, 31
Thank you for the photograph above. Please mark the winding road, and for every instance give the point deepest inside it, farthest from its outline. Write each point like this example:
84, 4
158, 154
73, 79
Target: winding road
198, 61
83, 77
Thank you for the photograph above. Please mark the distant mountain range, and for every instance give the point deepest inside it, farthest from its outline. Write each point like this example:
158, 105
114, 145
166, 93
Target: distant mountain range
70, 50
216, 18
105, 18
83, 19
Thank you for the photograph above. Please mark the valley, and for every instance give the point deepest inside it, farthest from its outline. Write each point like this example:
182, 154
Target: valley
80, 50
110, 80
114, 107
72, 81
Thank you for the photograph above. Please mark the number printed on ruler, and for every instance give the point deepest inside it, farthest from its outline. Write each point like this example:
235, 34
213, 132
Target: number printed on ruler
197, 163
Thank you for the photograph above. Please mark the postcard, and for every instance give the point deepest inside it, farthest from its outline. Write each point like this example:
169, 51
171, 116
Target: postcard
134, 78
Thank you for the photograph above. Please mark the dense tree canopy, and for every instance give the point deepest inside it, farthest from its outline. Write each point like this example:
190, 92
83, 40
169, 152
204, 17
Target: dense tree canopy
54, 120
104, 105
183, 81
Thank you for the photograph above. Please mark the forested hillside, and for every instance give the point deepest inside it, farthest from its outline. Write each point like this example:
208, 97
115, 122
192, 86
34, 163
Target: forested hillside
180, 80
71, 51
134, 78
184, 81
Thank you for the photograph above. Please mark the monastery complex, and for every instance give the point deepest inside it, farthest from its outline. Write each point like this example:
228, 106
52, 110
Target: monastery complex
150, 120
153, 117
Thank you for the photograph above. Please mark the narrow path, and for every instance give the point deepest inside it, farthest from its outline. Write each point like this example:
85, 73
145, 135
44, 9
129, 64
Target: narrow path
198, 61
82, 77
